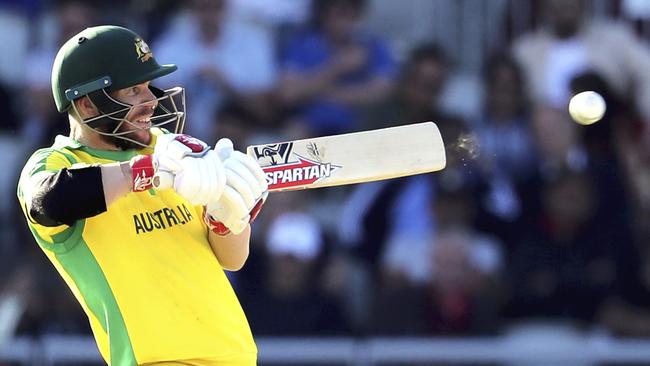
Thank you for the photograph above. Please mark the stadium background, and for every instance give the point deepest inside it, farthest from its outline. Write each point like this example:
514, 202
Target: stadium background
531, 248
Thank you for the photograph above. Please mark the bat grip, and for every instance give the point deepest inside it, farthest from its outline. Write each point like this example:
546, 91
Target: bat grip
163, 180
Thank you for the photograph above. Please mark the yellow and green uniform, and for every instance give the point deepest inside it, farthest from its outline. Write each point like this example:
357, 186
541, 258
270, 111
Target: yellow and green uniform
144, 272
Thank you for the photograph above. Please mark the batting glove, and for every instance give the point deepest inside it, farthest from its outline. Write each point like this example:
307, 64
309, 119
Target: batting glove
244, 195
201, 179
168, 153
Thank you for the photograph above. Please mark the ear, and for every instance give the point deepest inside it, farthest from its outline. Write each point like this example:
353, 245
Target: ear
85, 107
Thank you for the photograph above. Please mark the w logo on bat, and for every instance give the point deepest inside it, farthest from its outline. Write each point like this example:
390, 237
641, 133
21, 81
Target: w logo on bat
276, 153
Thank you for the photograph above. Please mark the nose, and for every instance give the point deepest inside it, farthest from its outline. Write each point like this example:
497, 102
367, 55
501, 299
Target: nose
150, 100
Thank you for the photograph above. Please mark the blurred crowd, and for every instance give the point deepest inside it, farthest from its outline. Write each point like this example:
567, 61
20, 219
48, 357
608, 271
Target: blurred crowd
534, 218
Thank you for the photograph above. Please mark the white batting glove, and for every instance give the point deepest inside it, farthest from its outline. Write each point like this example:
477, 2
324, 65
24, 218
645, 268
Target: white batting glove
189, 166
245, 192
166, 160
201, 179
171, 148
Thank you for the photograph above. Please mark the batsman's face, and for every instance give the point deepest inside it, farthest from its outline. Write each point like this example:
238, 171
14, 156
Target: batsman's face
138, 120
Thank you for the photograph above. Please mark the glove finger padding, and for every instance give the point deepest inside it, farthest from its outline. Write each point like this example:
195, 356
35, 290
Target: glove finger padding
237, 179
186, 182
169, 153
208, 173
224, 148
196, 146
201, 180
245, 192
234, 202
244, 172
253, 167
219, 174
230, 210
169, 150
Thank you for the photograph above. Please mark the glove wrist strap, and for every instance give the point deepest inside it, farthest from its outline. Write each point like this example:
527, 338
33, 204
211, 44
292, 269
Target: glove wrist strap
142, 172
217, 227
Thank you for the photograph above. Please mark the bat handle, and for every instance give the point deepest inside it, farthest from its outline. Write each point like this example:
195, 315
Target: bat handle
163, 180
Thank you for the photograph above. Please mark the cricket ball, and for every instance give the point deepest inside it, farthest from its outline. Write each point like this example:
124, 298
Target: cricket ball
587, 107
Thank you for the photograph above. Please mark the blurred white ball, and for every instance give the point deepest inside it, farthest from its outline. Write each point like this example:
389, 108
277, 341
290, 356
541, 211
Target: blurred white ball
587, 107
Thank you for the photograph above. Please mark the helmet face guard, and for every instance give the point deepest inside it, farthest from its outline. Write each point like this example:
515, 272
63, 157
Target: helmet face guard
101, 60
169, 113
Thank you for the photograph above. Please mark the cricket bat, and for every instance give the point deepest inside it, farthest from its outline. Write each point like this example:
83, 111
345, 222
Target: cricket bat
351, 158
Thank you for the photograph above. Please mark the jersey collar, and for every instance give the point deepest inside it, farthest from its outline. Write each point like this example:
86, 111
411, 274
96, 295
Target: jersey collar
116, 155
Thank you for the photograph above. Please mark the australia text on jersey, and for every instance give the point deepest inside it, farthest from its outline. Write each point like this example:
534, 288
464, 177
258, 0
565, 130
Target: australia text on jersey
145, 222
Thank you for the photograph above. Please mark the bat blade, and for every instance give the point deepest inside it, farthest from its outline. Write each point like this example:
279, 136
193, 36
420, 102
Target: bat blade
351, 158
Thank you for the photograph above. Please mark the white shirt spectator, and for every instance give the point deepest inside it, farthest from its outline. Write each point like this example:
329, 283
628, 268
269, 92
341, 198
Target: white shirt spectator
242, 54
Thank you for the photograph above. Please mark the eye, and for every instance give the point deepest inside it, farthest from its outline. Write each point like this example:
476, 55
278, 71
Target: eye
134, 90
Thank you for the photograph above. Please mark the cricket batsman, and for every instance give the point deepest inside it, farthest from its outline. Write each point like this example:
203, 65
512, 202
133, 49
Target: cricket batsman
144, 256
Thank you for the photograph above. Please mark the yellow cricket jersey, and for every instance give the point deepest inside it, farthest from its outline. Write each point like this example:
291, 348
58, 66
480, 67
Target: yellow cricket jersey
143, 271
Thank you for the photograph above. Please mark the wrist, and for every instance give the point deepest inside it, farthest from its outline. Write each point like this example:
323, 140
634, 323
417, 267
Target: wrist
125, 169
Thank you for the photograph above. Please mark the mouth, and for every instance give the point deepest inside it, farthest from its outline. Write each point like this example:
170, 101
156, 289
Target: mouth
143, 123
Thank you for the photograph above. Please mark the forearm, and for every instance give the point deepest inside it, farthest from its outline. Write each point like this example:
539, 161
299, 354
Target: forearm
231, 250
116, 181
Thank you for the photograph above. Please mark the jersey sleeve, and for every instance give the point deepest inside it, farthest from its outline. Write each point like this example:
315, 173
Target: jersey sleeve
42, 163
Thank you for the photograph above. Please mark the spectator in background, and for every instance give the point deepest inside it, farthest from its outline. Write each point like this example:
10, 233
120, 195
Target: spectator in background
417, 91
43, 122
562, 147
632, 145
332, 69
388, 228
283, 13
289, 301
220, 61
617, 146
40, 121
570, 263
464, 293
49, 308
570, 44
15, 20
507, 157
237, 123
558, 141
600, 140
376, 213
14, 42
461, 291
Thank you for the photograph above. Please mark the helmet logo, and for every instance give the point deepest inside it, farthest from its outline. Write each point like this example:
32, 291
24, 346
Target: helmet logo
143, 50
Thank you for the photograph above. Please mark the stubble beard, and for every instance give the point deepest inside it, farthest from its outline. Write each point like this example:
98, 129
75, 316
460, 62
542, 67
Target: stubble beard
123, 144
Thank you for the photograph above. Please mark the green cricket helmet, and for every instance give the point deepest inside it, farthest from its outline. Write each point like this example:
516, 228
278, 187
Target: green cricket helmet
103, 59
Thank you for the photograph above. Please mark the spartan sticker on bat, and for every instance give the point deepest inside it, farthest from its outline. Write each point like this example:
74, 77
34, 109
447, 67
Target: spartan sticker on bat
285, 169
